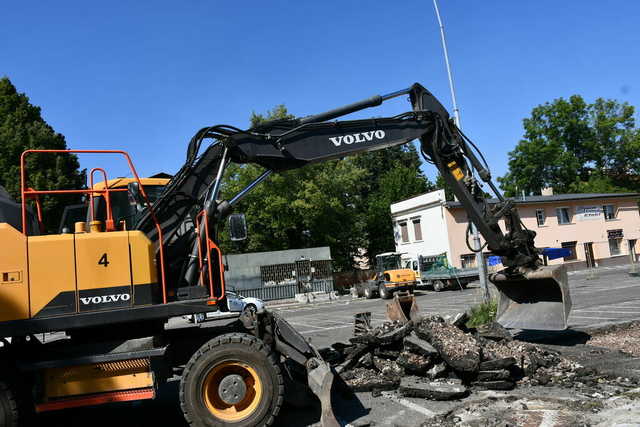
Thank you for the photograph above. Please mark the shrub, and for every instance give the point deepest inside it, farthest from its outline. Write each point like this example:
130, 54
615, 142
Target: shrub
482, 314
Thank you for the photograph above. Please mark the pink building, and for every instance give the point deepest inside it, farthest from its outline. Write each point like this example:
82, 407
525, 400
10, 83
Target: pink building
600, 229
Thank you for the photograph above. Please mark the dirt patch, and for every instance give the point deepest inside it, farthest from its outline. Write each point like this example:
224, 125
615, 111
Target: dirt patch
624, 337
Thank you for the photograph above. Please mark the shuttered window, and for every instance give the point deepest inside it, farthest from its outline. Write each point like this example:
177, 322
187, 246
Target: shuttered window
417, 229
404, 232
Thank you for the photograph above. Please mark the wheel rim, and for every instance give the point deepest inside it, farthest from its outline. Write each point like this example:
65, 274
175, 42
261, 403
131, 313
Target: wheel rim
246, 405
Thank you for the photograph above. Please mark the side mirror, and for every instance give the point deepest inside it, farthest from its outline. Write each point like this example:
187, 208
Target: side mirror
237, 227
135, 196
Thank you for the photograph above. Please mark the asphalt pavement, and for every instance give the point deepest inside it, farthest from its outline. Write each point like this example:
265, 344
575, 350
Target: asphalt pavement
601, 296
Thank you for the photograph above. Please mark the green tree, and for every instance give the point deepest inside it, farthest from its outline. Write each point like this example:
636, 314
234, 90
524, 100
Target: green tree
307, 207
574, 146
343, 204
21, 128
392, 174
394, 185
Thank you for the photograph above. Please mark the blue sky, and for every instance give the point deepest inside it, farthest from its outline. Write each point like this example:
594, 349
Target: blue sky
144, 76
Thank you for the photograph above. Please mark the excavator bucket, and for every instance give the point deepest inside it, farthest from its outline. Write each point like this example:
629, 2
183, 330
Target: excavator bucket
539, 299
403, 307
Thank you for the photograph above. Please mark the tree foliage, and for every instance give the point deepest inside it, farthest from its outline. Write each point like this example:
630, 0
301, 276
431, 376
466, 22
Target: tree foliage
21, 128
574, 146
343, 204
392, 174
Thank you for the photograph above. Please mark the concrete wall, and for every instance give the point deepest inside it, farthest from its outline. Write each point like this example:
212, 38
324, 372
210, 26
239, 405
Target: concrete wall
243, 270
431, 212
583, 228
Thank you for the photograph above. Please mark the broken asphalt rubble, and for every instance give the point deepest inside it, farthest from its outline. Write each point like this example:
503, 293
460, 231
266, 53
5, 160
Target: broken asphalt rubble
442, 360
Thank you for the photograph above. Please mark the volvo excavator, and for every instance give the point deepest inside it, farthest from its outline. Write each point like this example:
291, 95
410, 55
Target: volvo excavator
115, 286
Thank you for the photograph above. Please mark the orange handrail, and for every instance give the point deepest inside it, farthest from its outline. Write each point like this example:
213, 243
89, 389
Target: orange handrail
26, 192
109, 225
202, 217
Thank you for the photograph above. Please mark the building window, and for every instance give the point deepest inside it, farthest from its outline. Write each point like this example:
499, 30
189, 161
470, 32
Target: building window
417, 229
563, 215
468, 261
614, 246
404, 232
572, 247
541, 217
609, 212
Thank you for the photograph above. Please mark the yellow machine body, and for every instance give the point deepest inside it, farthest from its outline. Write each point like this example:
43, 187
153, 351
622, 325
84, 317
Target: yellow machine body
97, 378
401, 276
63, 274
14, 275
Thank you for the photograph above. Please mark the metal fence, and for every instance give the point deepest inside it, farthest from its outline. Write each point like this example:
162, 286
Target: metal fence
270, 293
292, 272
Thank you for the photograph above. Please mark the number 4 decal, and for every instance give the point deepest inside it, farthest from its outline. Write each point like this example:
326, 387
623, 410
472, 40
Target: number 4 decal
104, 260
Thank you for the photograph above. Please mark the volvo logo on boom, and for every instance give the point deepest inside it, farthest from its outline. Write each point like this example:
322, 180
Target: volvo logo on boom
357, 137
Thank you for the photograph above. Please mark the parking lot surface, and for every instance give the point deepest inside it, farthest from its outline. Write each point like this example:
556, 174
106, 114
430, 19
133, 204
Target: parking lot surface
599, 297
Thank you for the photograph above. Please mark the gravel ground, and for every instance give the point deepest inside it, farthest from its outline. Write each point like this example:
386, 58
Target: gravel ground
625, 337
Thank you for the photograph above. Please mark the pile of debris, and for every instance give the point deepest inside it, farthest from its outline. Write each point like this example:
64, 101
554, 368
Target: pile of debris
441, 359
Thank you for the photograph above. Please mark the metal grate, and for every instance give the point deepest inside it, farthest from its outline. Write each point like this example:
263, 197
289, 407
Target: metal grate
270, 293
287, 274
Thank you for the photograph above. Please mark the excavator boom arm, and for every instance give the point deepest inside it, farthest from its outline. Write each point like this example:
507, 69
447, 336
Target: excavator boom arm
288, 144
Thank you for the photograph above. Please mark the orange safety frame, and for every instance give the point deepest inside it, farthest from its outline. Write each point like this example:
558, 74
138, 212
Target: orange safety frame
109, 225
38, 210
202, 217
29, 192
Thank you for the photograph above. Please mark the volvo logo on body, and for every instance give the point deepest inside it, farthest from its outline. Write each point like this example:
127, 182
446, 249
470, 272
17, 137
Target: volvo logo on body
105, 299
357, 137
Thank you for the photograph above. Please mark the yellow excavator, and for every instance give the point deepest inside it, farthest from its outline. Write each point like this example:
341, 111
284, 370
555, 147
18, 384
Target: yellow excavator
389, 277
113, 281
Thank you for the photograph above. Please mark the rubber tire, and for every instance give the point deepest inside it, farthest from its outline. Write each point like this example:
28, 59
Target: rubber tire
369, 293
384, 293
9, 415
410, 290
439, 285
238, 347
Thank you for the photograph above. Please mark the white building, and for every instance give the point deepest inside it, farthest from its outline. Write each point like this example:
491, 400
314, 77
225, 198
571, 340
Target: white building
599, 229
420, 226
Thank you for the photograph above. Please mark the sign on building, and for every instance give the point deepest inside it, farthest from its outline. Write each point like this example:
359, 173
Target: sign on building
615, 234
587, 213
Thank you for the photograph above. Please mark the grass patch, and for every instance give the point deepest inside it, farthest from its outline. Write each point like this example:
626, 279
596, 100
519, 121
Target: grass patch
482, 314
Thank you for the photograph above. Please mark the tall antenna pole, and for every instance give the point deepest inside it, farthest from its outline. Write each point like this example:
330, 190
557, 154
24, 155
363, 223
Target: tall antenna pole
456, 111
482, 267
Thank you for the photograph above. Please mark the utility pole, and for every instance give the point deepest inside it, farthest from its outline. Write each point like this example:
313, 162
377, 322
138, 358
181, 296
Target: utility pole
482, 267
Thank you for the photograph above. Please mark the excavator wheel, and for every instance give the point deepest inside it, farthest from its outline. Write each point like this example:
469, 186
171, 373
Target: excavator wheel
232, 380
384, 292
369, 293
8, 407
